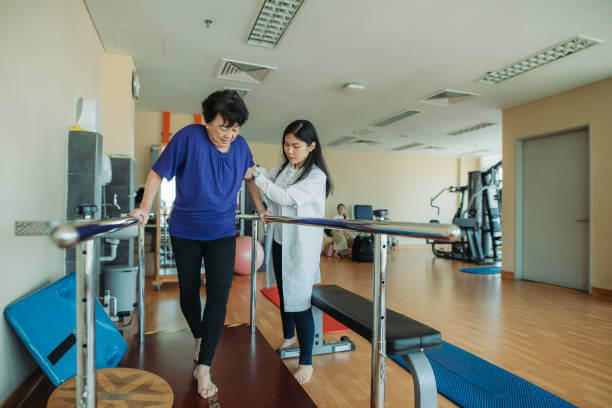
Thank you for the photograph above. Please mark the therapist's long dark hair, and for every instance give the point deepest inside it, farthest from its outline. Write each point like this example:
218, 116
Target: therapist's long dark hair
306, 132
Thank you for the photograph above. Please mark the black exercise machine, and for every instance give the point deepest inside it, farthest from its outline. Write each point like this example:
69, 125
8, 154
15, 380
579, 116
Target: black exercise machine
480, 222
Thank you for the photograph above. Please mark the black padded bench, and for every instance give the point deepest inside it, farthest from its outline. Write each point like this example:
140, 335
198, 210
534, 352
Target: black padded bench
405, 337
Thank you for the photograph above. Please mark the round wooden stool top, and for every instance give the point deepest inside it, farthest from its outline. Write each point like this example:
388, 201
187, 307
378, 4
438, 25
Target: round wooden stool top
119, 387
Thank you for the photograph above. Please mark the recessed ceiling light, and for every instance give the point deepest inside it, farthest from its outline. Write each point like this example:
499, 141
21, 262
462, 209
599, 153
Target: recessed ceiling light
272, 22
407, 146
341, 140
471, 128
563, 49
403, 114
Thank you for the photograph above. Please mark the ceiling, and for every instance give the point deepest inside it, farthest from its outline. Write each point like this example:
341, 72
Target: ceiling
402, 51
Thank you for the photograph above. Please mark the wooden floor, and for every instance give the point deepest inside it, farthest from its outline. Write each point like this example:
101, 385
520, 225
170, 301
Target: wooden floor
556, 338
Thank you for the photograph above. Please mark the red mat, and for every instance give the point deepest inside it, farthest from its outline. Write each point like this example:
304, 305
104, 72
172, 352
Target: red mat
329, 325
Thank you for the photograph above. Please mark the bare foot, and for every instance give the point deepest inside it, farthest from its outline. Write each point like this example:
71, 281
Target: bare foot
288, 342
196, 350
206, 388
303, 373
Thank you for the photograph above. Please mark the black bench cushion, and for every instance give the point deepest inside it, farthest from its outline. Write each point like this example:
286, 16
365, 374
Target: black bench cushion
404, 335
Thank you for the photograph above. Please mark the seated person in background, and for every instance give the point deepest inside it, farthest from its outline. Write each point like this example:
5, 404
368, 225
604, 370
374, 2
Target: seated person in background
327, 247
341, 209
334, 244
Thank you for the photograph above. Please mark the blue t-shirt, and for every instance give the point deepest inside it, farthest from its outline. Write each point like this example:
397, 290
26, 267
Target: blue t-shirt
207, 183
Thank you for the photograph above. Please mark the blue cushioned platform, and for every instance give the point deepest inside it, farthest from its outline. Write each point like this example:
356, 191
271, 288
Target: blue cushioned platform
470, 381
483, 270
46, 320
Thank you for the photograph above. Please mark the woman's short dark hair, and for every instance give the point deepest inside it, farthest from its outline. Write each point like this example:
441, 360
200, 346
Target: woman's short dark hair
228, 104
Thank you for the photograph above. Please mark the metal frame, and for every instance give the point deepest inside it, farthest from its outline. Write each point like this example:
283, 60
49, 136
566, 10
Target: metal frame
320, 346
82, 235
424, 381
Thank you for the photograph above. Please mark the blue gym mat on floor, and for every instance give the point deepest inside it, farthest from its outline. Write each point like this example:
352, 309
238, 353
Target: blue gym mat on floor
483, 270
470, 381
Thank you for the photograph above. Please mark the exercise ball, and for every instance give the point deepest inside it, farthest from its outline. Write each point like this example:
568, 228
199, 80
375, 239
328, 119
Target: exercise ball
243, 256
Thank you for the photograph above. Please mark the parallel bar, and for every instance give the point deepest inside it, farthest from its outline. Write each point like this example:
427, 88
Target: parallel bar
379, 338
439, 232
141, 282
253, 271
90, 317
67, 235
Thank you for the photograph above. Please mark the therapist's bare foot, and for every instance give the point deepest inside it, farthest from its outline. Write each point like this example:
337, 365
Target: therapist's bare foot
196, 350
303, 373
288, 342
206, 388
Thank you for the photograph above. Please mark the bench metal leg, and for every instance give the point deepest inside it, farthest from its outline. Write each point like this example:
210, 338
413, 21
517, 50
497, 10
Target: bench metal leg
425, 390
320, 346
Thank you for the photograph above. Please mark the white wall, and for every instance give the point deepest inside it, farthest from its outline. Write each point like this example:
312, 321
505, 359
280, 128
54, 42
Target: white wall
50, 55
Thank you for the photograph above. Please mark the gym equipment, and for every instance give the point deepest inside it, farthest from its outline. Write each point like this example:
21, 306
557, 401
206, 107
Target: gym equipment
45, 322
411, 335
470, 381
243, 256
82, 237
480, 221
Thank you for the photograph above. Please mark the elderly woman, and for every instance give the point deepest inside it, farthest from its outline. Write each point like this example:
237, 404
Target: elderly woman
209, 163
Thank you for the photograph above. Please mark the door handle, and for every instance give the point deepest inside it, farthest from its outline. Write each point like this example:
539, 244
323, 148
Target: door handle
583, 220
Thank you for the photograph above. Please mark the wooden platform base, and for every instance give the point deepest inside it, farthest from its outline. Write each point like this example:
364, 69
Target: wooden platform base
247, 371
118, 387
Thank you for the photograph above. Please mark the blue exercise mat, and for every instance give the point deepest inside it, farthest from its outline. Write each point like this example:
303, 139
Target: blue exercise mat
46, 323
470, 381
483, 270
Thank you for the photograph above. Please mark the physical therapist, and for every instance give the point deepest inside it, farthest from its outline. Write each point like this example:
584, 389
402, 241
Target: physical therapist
297, 188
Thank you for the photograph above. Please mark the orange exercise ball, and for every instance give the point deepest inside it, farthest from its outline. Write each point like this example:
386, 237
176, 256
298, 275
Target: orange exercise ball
243, 256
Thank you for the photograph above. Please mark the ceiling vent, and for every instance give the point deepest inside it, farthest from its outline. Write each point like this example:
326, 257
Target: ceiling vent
407, 146
242, 71
550, 54
241, 91
479, 126
447, 97
406, 113
433, 148
342, 140
272, 22
366, 142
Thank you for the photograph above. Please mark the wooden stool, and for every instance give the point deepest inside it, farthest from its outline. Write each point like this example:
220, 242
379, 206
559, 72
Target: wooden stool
116, 387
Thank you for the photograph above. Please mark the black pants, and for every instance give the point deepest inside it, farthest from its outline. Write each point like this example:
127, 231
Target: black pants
219, 257
302, 322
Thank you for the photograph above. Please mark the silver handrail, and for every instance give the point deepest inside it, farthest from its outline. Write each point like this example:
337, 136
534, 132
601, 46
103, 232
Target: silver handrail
68, 235
82, 235
439, 232
381, 229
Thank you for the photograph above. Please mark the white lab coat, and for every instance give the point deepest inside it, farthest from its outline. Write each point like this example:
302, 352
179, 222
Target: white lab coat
301, 244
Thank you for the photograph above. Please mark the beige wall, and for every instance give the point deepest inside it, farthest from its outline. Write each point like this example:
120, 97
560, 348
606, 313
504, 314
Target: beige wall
590, 105
401, 183
148, 132
117, 105
51, 55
